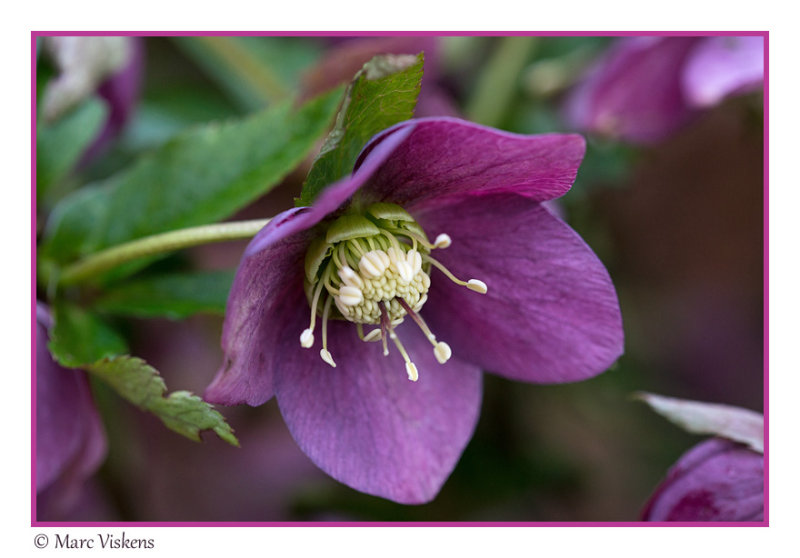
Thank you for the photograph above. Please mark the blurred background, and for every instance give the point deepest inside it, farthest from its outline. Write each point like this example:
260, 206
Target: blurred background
675, 212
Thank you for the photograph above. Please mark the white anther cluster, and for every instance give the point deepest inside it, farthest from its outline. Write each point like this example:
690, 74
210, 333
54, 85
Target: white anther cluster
370, 267
382, 276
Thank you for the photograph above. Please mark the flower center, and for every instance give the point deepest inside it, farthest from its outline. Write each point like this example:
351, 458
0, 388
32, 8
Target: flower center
374, 269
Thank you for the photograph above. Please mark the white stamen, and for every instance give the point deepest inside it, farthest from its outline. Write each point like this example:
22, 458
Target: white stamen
442, 352
326, 356
400, 265
373, 263
350, 277
350, 296
395, 255
411, 370
374, 335
405, 271
414, 261
477, 285
421, 302
442, 241
307, 338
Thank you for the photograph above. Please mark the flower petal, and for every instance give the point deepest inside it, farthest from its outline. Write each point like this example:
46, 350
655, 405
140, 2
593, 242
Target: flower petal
717, 480
70, 440
721, 66
551, 313
634, 92
263, 298
365, 424
446, 157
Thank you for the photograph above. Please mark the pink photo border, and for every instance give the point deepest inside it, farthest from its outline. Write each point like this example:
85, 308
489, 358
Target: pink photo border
765, 523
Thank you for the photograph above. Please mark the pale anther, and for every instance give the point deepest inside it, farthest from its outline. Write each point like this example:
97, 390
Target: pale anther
373, 263
373, 335
477, 285
411, 370
326, 356
350, 296
307, 338
442, 241
442, 352
350, 277
414, 261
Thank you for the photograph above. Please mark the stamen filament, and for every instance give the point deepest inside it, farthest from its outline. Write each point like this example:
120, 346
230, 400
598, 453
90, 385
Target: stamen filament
419, 321
473, 284
386, 325
314, 300
414, 237
441, 350
324, 353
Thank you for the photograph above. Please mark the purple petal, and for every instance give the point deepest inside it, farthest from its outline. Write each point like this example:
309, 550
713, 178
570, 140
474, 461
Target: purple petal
365, 424
634, 92
263, 299
722, 66
716, 480
70, 441
446, 157
551, 313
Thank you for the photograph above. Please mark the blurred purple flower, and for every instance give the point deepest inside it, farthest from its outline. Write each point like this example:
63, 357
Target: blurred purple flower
717, 480
121, 94
548, 311
646, 88
70, 441
110, 67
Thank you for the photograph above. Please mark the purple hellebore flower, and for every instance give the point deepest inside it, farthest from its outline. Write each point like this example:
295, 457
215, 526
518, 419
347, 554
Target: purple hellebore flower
70, 440
543, 309
646, 88
717, 480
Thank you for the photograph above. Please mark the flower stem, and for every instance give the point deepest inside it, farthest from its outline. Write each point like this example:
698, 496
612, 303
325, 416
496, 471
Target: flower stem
109, 258
500, 80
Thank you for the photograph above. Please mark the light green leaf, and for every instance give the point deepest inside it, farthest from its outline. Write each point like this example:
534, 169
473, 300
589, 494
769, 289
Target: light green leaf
383, 93
734, 423
187, 414
201, 176
59, 145
79, 338
173, 296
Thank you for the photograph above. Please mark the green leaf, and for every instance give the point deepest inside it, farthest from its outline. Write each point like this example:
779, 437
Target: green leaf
174, 296
79, 338
734, 423
201, 176
59, 145
138, 382
383, 93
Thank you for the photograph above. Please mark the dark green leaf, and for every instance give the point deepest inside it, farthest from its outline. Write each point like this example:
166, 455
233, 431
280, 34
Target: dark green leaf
383, 93
79, 338
59, 145
187, 414
200, 177
173, 296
